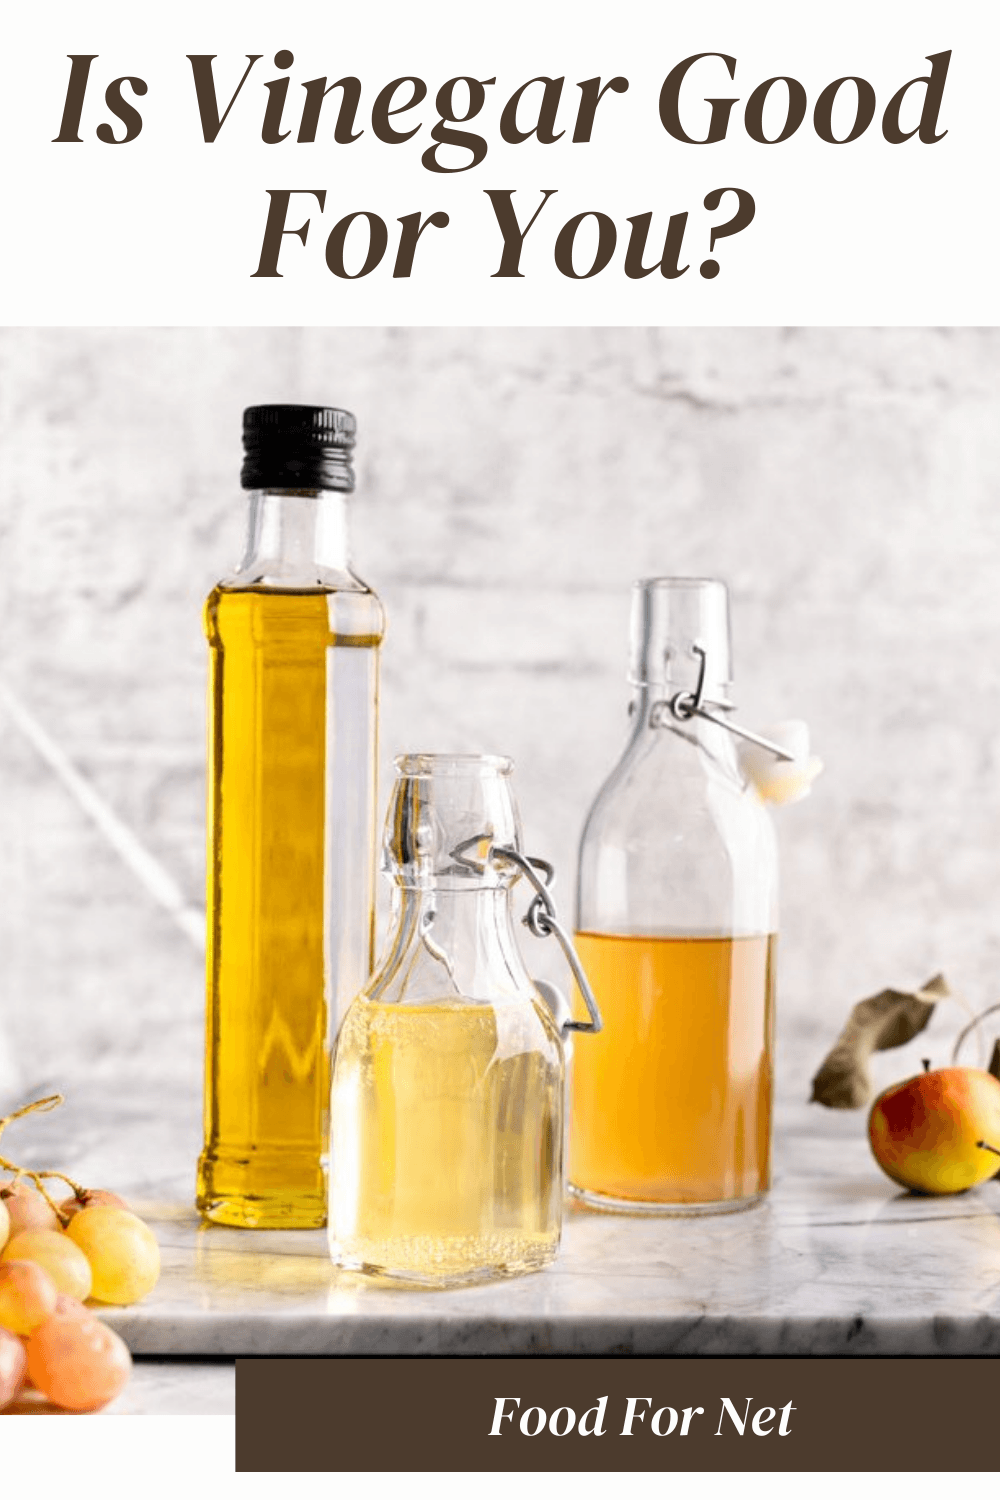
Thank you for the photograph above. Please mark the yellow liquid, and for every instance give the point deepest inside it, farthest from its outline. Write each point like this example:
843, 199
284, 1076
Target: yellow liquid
447, 1141
671, 1102
267, 1045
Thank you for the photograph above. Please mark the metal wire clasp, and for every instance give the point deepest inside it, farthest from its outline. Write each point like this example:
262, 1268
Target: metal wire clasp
688, 705
541, 921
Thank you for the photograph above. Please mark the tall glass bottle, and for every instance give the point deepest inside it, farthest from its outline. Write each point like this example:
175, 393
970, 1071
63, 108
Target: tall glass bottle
294, 641
447, 1105
677, 920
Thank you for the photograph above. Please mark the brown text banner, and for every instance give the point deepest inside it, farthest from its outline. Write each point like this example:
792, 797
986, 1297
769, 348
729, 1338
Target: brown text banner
819, 1415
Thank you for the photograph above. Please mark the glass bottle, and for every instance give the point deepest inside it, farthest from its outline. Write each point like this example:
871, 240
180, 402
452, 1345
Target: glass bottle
676, 926
294, 644
447, 1103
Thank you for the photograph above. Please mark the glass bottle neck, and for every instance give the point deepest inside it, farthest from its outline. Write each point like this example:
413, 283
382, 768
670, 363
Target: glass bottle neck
653, 722
450, 944
295, 539
680, 636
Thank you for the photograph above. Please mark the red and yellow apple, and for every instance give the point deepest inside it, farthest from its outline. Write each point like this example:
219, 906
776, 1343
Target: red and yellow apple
927, 1133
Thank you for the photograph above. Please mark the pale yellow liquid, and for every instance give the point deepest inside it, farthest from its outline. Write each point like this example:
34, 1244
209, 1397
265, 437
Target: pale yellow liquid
671, 1101
267, 1046
446, 1157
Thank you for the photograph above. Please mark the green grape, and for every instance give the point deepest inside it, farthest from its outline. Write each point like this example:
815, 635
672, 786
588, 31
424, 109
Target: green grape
71, 1307
57, 1254
13, 1367
27, 1295
26, 1209
76, 1362
92, 1198
123, 1254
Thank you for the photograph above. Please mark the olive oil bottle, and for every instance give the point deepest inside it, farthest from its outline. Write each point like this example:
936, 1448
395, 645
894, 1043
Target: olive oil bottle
294, 641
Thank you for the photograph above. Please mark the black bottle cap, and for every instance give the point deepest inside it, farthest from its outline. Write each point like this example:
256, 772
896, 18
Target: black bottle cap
297, 448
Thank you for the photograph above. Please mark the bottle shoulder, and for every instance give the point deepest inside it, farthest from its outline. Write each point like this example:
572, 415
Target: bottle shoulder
278, 577
677, 840
665, 778
342, 616
513, 1026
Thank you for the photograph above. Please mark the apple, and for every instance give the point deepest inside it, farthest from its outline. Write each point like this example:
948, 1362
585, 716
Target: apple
938, 1132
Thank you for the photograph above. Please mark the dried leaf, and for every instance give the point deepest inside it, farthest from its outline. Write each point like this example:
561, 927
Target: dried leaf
888, 1019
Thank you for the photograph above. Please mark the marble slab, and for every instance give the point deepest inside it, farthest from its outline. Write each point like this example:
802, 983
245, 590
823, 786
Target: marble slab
158, 1388
837, 1262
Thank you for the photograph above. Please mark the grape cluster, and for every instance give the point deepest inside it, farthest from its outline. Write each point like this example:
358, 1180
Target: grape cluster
53, 1257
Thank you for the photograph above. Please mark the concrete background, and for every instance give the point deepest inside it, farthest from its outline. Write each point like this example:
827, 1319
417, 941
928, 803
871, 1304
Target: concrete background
512, 483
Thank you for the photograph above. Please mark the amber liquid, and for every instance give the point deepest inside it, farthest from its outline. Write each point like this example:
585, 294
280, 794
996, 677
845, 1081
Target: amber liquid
267, 1047
671, 1101
447, 1141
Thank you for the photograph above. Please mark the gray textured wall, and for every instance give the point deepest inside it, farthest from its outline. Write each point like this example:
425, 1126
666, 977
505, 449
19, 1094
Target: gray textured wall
511, 484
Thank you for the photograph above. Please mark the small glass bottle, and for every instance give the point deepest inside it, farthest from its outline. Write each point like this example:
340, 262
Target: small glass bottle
294, 640
447, 1103
676, 927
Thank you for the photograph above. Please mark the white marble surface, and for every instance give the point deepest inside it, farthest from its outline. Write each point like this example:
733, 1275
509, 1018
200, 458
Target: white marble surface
837, 1262
160, 1388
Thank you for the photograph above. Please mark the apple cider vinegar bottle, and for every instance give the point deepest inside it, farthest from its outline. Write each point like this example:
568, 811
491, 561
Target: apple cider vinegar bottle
677, 919
294, 641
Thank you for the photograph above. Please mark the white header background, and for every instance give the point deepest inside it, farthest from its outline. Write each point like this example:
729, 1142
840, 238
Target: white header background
167, 229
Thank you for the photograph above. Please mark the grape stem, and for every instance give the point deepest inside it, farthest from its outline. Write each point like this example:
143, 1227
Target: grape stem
40, 1106
966, 1031
36, 1107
